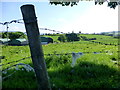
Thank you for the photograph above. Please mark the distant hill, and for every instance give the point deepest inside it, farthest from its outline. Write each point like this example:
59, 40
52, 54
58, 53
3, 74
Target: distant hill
112, 33
117, 32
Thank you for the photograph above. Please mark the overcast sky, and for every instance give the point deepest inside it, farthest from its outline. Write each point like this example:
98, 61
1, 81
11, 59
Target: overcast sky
85, 17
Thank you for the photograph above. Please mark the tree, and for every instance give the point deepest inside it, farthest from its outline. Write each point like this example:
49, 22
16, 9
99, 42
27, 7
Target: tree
72, 37
84, 38
50, 40
15, 35
4, 34
61, 38
111, 4
79, 32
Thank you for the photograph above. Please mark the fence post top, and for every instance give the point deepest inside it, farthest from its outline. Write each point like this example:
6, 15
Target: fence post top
27, 5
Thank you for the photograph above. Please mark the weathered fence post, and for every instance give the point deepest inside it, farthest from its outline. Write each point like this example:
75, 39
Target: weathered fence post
37, 55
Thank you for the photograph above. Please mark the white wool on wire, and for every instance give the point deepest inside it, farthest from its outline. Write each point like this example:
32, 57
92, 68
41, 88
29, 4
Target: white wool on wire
75, 56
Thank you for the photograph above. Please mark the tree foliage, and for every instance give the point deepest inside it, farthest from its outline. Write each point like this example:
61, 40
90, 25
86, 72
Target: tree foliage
62, 38
4, 34
72, 37
50, 40
71, 3
13, 35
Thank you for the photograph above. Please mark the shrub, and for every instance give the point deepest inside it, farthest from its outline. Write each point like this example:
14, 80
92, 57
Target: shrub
62, 38
13, 35
72, 37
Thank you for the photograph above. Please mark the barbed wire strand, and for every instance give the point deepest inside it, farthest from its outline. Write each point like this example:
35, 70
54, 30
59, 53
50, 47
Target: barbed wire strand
56, 54
16, 61
18, 21
46, 29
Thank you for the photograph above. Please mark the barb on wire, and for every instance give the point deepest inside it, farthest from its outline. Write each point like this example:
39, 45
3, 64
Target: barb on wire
15, 21
50, 30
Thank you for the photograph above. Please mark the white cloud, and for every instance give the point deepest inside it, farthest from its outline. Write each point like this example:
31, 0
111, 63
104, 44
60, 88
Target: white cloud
17, 27
98, 18
61, 20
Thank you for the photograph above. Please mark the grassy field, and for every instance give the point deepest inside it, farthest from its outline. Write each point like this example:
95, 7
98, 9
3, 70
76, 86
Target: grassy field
103, 39
92, 70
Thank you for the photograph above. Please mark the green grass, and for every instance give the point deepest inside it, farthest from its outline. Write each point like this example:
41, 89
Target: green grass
55, 38
103, 39
91, 70
82, 46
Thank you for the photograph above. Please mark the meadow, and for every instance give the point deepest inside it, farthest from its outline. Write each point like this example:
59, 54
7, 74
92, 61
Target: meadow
98, 67
103, 39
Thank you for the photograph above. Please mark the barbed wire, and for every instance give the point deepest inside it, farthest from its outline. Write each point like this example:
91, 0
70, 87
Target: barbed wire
46, 29
19, 21
15, 21
16, 61
58, 55
50, 30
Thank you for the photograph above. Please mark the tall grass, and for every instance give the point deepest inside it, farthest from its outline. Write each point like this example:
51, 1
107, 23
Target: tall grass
91, 70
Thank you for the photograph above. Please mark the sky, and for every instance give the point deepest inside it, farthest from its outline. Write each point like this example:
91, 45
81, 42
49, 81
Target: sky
85, 17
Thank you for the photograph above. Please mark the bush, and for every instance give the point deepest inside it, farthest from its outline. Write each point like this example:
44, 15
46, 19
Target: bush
50, 40
84, 38
13, 35
72, 37
62, 38
92, 39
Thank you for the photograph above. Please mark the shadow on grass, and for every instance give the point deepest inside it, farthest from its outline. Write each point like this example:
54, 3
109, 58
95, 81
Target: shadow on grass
84, 75
20, 79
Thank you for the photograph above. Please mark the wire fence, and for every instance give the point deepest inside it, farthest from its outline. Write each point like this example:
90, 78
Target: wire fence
15, 61
28, 68
20, 21
58, 55
13, 21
